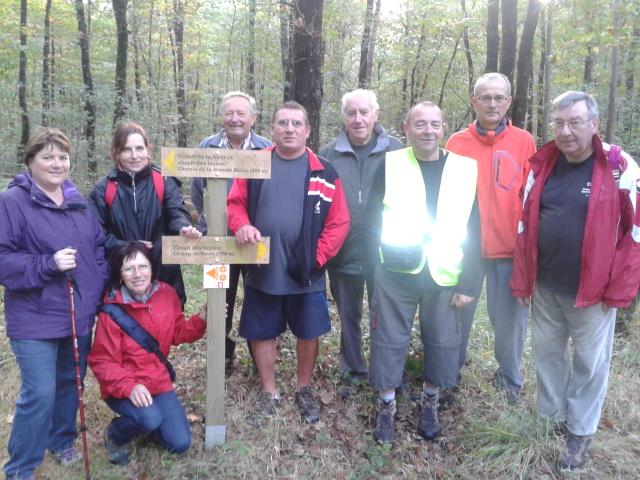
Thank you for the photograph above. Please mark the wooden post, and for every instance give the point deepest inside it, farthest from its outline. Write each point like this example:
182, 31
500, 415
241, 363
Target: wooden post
216, 215
216, 165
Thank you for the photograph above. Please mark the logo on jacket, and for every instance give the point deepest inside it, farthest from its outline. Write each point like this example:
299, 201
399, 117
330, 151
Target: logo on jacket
316, 209
586, 190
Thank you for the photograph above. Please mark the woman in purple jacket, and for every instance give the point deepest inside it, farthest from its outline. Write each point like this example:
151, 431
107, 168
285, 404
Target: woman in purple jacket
47, 231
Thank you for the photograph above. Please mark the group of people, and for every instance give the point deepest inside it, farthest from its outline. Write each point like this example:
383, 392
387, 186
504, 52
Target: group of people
104, 251
421, 227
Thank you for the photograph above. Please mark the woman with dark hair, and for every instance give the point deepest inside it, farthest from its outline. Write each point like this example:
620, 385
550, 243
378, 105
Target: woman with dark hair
134, 202
47, 232
136, 383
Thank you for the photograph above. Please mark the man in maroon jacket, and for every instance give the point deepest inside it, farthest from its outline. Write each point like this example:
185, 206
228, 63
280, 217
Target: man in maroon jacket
578, 258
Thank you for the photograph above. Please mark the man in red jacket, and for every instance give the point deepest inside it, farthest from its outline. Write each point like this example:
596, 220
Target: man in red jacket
501, 151
578, 255
303, 210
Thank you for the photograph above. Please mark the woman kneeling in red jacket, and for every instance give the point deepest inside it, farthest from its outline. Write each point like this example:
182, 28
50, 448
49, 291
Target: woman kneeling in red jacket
137, 383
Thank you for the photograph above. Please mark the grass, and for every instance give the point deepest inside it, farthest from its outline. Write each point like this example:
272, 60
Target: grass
483, 437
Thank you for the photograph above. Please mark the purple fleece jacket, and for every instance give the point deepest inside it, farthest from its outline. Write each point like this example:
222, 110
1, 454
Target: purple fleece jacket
32, 229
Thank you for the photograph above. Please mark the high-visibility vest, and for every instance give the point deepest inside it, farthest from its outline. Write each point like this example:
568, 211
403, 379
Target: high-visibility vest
406, 221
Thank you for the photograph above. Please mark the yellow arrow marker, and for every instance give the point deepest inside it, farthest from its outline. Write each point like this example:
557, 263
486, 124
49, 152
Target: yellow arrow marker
261, 251
213, 273
170, 162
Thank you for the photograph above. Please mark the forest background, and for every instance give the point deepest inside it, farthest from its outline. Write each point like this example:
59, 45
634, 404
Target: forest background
83, 65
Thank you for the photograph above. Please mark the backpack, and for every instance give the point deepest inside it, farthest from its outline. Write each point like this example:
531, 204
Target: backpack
112, 188
614, 156
143, 338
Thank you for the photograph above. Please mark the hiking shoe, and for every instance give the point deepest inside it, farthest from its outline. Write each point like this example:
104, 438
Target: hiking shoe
429, 424
512, 395
350, 383
117, 454
385, 430
576, 454
266, 405
308, 405
67, 457
511, 392
447, 397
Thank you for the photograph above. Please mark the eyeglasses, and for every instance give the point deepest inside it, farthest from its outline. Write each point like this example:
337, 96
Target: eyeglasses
487, 99
575, 124
285, 123
130, 270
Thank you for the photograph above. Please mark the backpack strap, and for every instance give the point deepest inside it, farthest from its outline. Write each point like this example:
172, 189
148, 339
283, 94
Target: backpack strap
158, 184
110, 192
143, 338
112, 188
614, 155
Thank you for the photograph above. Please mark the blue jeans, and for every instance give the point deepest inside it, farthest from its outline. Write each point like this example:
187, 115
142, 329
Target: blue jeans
45, 412
164, 418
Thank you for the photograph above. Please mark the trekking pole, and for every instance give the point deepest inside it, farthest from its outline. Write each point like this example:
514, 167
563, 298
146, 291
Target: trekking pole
76, 359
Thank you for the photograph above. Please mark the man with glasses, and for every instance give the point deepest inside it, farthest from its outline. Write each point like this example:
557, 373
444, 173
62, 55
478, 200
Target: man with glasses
356, 154
424, 231
303, 210
578, 258
238, 112
501, 151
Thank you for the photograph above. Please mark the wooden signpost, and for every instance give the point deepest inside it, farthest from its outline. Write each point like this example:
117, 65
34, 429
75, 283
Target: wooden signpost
216, 165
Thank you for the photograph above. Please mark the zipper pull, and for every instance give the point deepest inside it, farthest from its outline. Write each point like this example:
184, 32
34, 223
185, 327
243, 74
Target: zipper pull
360, 197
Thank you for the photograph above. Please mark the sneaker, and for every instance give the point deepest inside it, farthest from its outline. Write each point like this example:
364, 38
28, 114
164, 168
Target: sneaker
117, 454
385, 430
429, 424
576, 454
308, 405
266, 405
67, 457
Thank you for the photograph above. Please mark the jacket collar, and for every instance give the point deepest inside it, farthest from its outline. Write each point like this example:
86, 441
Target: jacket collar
382, 143
128, 178
314, 163
489, 137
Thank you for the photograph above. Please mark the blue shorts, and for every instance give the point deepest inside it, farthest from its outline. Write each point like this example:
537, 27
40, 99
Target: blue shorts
266, 316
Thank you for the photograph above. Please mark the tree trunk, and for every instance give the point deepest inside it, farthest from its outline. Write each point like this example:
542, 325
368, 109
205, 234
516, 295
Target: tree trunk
178, 30
587, 77
446, 75
509, 38
22, 82
135, 37
540, 126
308, 57
629, 73
493, 37
251, 54
547, 75
120, 13
89, 100
615, 68
46, 59
363, 80
525, 62
467, 47
372, 43
286, 48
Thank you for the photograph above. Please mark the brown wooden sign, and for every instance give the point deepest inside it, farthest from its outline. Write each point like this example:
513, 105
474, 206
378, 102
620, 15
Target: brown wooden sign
215, 163
213, 250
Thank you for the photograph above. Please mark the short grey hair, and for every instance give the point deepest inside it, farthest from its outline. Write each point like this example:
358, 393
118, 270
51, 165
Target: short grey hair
369, 96
424, 103
491, 76
570, 98
246, 96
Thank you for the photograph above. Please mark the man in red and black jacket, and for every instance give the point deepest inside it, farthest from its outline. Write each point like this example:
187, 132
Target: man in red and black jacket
577, 259
303, 210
